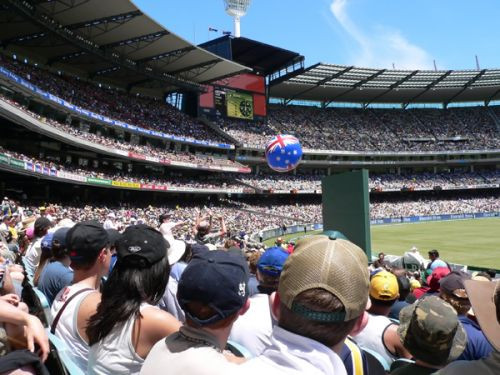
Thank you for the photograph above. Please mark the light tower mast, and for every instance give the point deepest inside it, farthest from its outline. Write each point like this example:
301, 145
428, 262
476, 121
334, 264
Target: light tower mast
236, 9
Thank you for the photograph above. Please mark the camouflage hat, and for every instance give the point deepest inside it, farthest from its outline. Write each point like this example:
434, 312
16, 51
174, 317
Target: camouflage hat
429, 329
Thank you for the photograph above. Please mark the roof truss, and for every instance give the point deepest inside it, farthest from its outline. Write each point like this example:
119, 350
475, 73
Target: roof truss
319, 83
44, 21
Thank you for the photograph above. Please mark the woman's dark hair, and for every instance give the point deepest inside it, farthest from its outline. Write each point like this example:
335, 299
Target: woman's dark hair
127, 287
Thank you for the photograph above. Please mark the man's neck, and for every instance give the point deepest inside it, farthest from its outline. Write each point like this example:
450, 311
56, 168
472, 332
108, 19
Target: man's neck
425, 364
87, 278
379, 310
221, 334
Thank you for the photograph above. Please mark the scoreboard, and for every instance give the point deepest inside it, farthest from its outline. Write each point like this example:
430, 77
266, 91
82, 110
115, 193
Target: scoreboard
242, 97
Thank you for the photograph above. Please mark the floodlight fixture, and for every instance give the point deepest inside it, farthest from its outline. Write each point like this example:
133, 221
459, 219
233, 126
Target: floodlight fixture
236, 9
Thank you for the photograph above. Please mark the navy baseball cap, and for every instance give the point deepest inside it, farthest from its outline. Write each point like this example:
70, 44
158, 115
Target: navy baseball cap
59, 237
46, 244
272, 261
217, 279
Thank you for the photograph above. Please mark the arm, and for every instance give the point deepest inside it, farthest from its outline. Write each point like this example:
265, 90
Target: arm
8, 286
33, 328
223, 229
154, 325
88, 307
393, 343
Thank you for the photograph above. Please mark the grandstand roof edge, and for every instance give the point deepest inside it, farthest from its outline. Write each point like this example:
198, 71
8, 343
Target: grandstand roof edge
370, 85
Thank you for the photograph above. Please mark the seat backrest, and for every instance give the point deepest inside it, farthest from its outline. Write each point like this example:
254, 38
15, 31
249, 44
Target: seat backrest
400, 362
29, 296
44, 303
70, 368
377, 365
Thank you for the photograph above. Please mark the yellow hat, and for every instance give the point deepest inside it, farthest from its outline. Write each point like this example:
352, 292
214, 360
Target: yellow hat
415, 284
384, 286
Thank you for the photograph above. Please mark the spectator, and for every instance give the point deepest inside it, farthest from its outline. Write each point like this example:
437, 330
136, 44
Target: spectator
46, 247
90, 256
432, 287
32, 255
322, 294
453, 291
21, 330
485, 300
431, 332
380, 333
213, 292
253, 330
128, 300
435, 261
166, 225
404, 292
57, 274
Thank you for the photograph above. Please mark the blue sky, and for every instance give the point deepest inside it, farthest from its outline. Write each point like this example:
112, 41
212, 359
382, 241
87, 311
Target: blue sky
368, 33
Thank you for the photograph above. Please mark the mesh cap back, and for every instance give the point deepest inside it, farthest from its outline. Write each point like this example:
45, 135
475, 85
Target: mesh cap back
336, 265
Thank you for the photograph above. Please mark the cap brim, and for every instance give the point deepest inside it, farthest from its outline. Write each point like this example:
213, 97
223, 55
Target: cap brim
481, 296
176, 250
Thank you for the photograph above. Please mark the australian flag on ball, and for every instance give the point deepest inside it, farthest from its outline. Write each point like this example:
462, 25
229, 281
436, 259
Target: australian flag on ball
283, 153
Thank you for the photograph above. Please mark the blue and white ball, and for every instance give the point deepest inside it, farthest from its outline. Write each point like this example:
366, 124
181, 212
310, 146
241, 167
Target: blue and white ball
283, 153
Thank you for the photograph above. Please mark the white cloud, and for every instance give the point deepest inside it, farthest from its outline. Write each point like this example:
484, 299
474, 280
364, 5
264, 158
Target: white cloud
381, 47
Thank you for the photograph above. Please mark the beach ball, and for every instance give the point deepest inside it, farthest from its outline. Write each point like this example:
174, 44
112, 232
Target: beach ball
283, 153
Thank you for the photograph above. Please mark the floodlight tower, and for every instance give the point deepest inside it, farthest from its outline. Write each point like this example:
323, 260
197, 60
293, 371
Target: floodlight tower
236, 9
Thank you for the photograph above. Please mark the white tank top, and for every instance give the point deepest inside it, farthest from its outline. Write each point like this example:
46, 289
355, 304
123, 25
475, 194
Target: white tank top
371, 336
115, 354
66, 328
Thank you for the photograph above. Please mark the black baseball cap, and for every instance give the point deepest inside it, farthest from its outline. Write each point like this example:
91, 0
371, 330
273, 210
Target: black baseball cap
217, 279
453, 283
113, 236
85, 240
141, 245
41, 224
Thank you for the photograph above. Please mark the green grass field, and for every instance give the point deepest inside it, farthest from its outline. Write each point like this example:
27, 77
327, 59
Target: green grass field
473, 242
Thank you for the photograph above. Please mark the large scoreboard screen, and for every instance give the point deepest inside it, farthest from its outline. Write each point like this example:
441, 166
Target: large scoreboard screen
242, 96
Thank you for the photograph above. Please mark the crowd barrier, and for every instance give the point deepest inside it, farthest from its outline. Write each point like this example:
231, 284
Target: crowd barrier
95, 116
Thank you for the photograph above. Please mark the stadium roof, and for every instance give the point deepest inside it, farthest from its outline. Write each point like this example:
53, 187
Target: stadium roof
261, 57
113, 40
337, 83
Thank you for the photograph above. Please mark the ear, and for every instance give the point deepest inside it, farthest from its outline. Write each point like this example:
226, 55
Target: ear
361, 323
245, 307
102, 255
275, 301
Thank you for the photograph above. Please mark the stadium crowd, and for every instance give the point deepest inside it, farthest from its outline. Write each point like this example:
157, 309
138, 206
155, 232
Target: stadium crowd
108, 141
263, 181
350, 129
132, 109
346, 129
416, 181
170, 179
213, 302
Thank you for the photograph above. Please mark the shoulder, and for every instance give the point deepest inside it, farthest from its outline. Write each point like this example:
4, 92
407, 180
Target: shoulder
88, 305
156, 322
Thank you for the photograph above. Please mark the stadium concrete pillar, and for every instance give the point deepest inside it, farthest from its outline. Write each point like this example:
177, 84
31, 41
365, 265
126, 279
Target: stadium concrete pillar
472, 168
257, 169
346, 206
